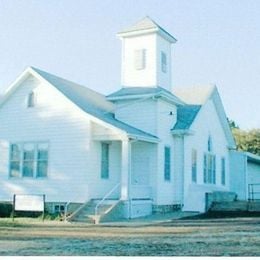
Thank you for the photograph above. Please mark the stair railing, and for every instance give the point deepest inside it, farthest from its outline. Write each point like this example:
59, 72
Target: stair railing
253, 191
105, 197
74, 212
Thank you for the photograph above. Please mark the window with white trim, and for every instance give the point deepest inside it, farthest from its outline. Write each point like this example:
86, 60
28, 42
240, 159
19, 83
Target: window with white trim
163, 62
59, 208
140, 59
42, 160
209, 144
209, 164
31, 99
167, 163
104, 160
209, 168
15, 160
194, 165
29, 159
223, 171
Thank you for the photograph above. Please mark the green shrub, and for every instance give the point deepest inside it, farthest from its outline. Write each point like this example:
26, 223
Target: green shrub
5, 209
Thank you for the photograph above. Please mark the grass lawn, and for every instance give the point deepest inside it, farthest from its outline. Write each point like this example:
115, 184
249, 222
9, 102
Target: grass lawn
192, 237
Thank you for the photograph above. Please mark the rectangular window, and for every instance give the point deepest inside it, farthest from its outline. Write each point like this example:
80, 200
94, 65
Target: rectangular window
28, 160
167, 163
42, 160
104, 160
223, 171
31, 100
59, 208
15, 160
140, 59
163, 62
209, 168
194, 165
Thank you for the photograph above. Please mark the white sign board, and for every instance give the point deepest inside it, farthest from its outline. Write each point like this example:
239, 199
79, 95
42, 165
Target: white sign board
29, 202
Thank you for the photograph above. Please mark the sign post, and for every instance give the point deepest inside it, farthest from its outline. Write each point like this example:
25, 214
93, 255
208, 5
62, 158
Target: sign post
29, 203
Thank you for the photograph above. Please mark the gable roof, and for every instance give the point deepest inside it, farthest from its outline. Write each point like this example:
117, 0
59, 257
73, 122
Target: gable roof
88, 100
199, 96
195, 95
185, 116
146, 25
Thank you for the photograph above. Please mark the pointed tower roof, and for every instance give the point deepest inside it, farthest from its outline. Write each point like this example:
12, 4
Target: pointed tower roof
145, 26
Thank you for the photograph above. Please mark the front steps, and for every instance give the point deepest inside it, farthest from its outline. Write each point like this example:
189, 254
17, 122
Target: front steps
87, 213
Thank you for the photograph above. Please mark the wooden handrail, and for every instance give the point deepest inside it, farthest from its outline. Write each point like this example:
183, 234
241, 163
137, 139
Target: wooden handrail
105, 197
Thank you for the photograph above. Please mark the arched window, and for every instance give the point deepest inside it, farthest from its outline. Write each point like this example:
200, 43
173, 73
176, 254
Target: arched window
209, 144
31, 99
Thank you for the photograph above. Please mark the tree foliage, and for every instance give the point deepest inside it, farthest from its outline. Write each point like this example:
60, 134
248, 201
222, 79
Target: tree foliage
248, 141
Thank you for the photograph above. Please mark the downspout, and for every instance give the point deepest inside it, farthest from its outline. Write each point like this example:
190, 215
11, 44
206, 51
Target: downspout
246, 176
183, 171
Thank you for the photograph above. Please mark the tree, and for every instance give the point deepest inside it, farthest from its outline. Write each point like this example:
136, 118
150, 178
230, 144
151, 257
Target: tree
248, 141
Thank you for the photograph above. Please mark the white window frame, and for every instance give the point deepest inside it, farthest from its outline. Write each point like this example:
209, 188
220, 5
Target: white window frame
35, 160
59, 206
15, 160
105, 160
209, 168
194, 165
163, 62
167, 163
31, 99
223, 171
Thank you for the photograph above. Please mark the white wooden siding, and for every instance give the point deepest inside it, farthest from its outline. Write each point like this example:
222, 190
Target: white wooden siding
206, 123
72, 158
141, 114
253, 171
166, 190
130, 75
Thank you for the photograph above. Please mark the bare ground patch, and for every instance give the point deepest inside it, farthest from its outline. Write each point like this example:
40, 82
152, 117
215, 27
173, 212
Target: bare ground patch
214, 237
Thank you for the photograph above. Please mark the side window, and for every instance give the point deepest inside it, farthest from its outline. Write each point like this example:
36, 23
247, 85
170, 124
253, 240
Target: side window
209, 168
163, 62
194, 165
28, 160
42, 160
31, 99
15, 159
209, 144
223, 171
167, 163
140, 59
104, 160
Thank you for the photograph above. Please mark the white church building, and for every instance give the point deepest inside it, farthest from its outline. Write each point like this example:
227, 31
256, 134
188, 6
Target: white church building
146, 147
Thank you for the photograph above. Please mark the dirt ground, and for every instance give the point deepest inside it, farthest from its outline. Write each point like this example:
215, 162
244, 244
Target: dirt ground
210, 237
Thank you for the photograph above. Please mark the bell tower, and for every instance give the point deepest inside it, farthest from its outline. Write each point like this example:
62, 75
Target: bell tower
146, 55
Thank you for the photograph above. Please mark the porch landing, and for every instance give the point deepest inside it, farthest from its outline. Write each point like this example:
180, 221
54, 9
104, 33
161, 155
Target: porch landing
151, 219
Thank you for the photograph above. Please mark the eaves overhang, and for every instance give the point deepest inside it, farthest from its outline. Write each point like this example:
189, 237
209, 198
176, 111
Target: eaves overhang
167, 97
181, 132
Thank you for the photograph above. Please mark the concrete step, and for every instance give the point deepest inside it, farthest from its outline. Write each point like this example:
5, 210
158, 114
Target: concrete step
236, 206
91, 210
87, 214
84, 220
254, 206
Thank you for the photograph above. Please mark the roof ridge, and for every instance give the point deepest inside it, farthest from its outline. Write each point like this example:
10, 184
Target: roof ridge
146, 23
61, 78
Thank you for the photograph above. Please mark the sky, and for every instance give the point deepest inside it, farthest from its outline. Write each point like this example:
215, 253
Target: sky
218, 43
